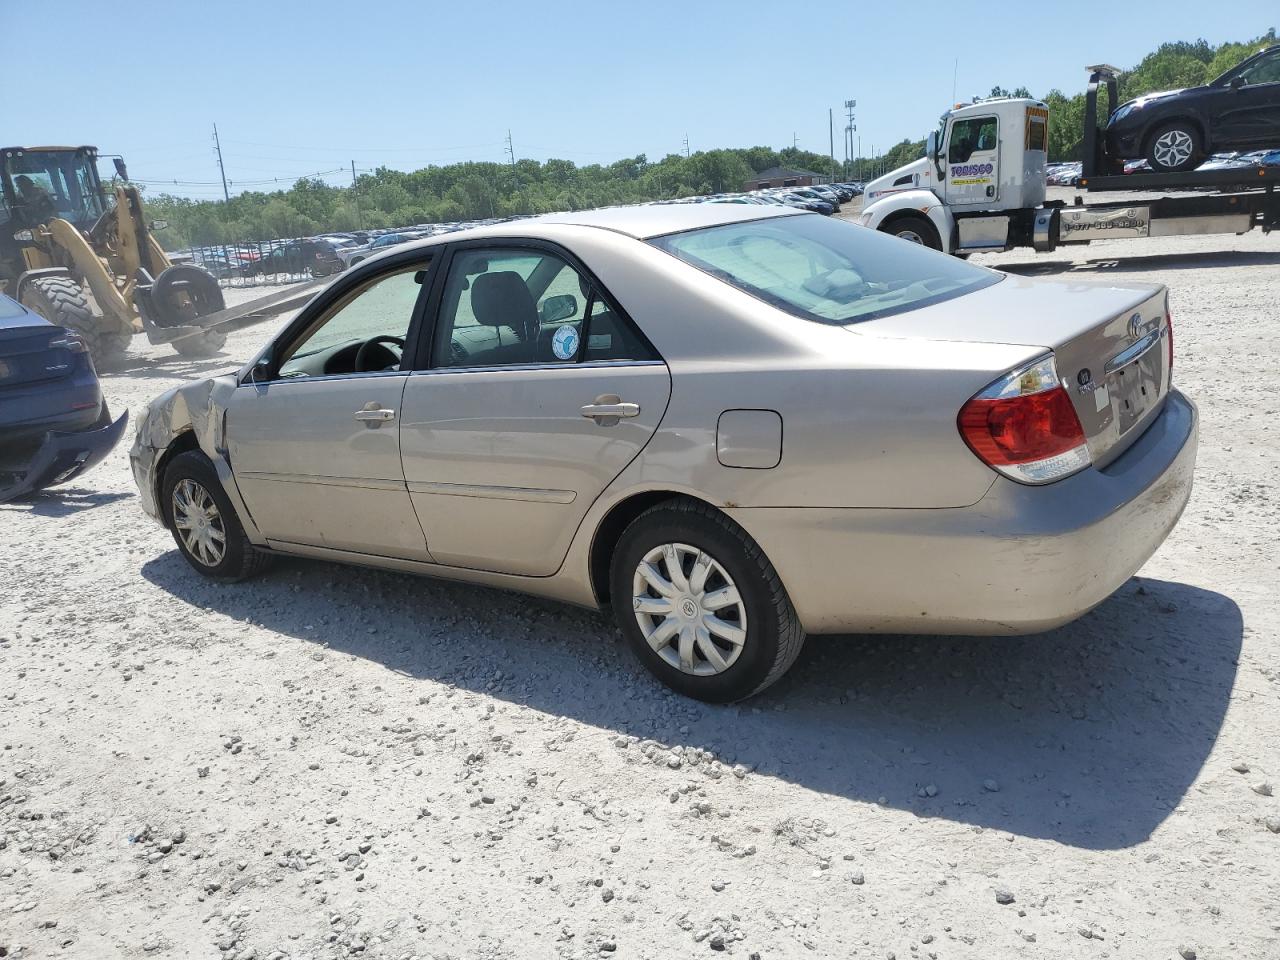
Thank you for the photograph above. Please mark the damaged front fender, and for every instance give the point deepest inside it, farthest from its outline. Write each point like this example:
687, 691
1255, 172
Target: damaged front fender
64, 456
198, 409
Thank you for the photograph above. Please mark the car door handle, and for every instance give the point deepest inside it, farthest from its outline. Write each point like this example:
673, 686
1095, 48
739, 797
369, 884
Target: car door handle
607, 409
372, 414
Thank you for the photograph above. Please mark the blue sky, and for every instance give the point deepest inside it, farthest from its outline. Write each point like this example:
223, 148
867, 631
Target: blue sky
304, 87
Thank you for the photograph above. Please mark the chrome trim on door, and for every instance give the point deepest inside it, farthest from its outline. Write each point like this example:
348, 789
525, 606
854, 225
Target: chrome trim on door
363, 482
486, 492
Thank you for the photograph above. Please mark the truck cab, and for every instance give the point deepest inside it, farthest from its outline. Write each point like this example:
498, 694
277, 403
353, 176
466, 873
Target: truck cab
986, 157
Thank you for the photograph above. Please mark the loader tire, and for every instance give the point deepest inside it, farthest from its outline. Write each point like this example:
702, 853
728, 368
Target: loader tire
60, 300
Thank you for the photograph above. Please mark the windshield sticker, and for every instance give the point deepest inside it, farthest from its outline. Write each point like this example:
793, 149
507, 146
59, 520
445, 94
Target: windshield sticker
564, 344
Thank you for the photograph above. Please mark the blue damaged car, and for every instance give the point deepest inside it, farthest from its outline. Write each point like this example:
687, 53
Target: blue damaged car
54, 422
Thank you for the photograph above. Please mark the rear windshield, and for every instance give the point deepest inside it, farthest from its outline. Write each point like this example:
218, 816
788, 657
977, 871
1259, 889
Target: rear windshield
826, 270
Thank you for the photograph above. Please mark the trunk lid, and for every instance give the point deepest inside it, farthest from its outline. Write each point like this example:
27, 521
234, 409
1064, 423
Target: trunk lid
1109, 341
29, 354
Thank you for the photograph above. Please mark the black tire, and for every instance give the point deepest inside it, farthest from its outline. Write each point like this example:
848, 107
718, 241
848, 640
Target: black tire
1175, 146
61, 300
201, 344
774, 635
240, 558
915, 230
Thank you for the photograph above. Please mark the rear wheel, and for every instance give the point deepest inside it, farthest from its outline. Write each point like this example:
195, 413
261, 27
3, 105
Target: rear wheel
1175, 146
701, 605
61, 300
915, 230
203, 522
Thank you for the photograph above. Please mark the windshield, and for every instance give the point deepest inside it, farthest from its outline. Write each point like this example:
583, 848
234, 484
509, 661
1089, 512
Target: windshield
826, 270
41, 184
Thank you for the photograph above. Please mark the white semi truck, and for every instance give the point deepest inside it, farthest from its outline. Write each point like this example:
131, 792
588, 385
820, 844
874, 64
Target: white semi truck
980, 187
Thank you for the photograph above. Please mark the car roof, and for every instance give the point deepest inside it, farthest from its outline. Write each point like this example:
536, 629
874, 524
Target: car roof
644, 221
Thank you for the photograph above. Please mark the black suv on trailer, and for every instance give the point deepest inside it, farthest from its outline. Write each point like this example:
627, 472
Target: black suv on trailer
1177, 129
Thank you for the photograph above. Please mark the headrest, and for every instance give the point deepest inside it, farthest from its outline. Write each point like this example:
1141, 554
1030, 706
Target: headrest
501, 299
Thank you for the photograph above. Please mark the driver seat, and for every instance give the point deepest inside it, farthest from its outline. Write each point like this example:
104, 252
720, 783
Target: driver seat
501, 299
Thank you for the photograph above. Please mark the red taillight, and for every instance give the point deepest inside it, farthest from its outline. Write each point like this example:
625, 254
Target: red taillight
1025, 426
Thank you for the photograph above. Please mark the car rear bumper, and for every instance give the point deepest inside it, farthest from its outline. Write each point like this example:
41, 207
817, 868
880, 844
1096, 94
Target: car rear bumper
62, 457
1021, 560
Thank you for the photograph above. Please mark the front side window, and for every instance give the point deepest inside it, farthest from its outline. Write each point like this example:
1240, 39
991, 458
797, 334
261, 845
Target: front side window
1264, 70
364, 333
970, 136
826, 270
505, 307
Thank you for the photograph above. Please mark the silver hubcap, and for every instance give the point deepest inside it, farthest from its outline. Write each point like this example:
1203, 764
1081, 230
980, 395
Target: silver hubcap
911, 235
1173, 148
688, 609
199, 524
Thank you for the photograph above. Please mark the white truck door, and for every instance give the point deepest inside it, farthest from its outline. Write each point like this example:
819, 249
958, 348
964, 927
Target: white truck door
973, 162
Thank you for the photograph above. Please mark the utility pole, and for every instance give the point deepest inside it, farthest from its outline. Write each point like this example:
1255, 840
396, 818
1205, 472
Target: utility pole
955, 72
831, 136
686, 145
355, 194
217, 145
511, 152
850, 127
795, 141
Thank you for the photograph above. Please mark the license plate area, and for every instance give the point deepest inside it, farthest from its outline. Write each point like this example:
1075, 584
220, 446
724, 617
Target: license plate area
1135, 387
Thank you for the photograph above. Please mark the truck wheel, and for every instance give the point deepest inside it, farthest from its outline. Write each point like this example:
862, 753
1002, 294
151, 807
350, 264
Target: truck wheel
201, 344
1175, 146
60, 300
916, 230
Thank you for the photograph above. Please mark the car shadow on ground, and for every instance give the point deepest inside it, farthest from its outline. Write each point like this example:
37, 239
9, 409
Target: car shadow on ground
1090, 735
171, 367
61, 501
1160, 261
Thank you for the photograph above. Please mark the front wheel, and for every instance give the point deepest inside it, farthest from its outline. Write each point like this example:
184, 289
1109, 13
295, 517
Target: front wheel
915, 230
203, 522
701, 605
1175, 146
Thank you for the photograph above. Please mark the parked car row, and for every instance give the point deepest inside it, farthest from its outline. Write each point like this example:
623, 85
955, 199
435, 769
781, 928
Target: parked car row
824, 198
1067, 174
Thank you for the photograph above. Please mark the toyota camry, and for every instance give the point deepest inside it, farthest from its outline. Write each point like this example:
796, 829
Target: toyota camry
731, 425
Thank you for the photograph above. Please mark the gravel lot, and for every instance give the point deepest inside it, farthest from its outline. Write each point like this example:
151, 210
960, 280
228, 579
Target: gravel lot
334, 762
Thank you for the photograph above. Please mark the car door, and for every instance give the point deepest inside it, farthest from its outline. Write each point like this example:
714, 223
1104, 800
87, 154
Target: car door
535, 393
313, 436
1249, 114
973, 161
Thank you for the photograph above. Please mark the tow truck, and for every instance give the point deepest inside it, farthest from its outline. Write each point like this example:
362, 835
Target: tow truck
980, 187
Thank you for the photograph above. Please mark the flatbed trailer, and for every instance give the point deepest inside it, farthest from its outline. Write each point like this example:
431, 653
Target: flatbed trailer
981, 187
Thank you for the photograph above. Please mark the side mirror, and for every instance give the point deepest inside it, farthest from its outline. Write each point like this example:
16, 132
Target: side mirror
121, 169
933, 150
1237, 83
559, 307
262, 369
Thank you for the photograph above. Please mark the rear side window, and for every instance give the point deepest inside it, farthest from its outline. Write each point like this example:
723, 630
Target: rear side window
826, 270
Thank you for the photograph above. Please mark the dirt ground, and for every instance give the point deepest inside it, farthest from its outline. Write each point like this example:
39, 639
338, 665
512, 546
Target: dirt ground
333, 762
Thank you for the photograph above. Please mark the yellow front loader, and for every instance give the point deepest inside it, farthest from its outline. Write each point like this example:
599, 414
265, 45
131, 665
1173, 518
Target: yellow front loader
91, 265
